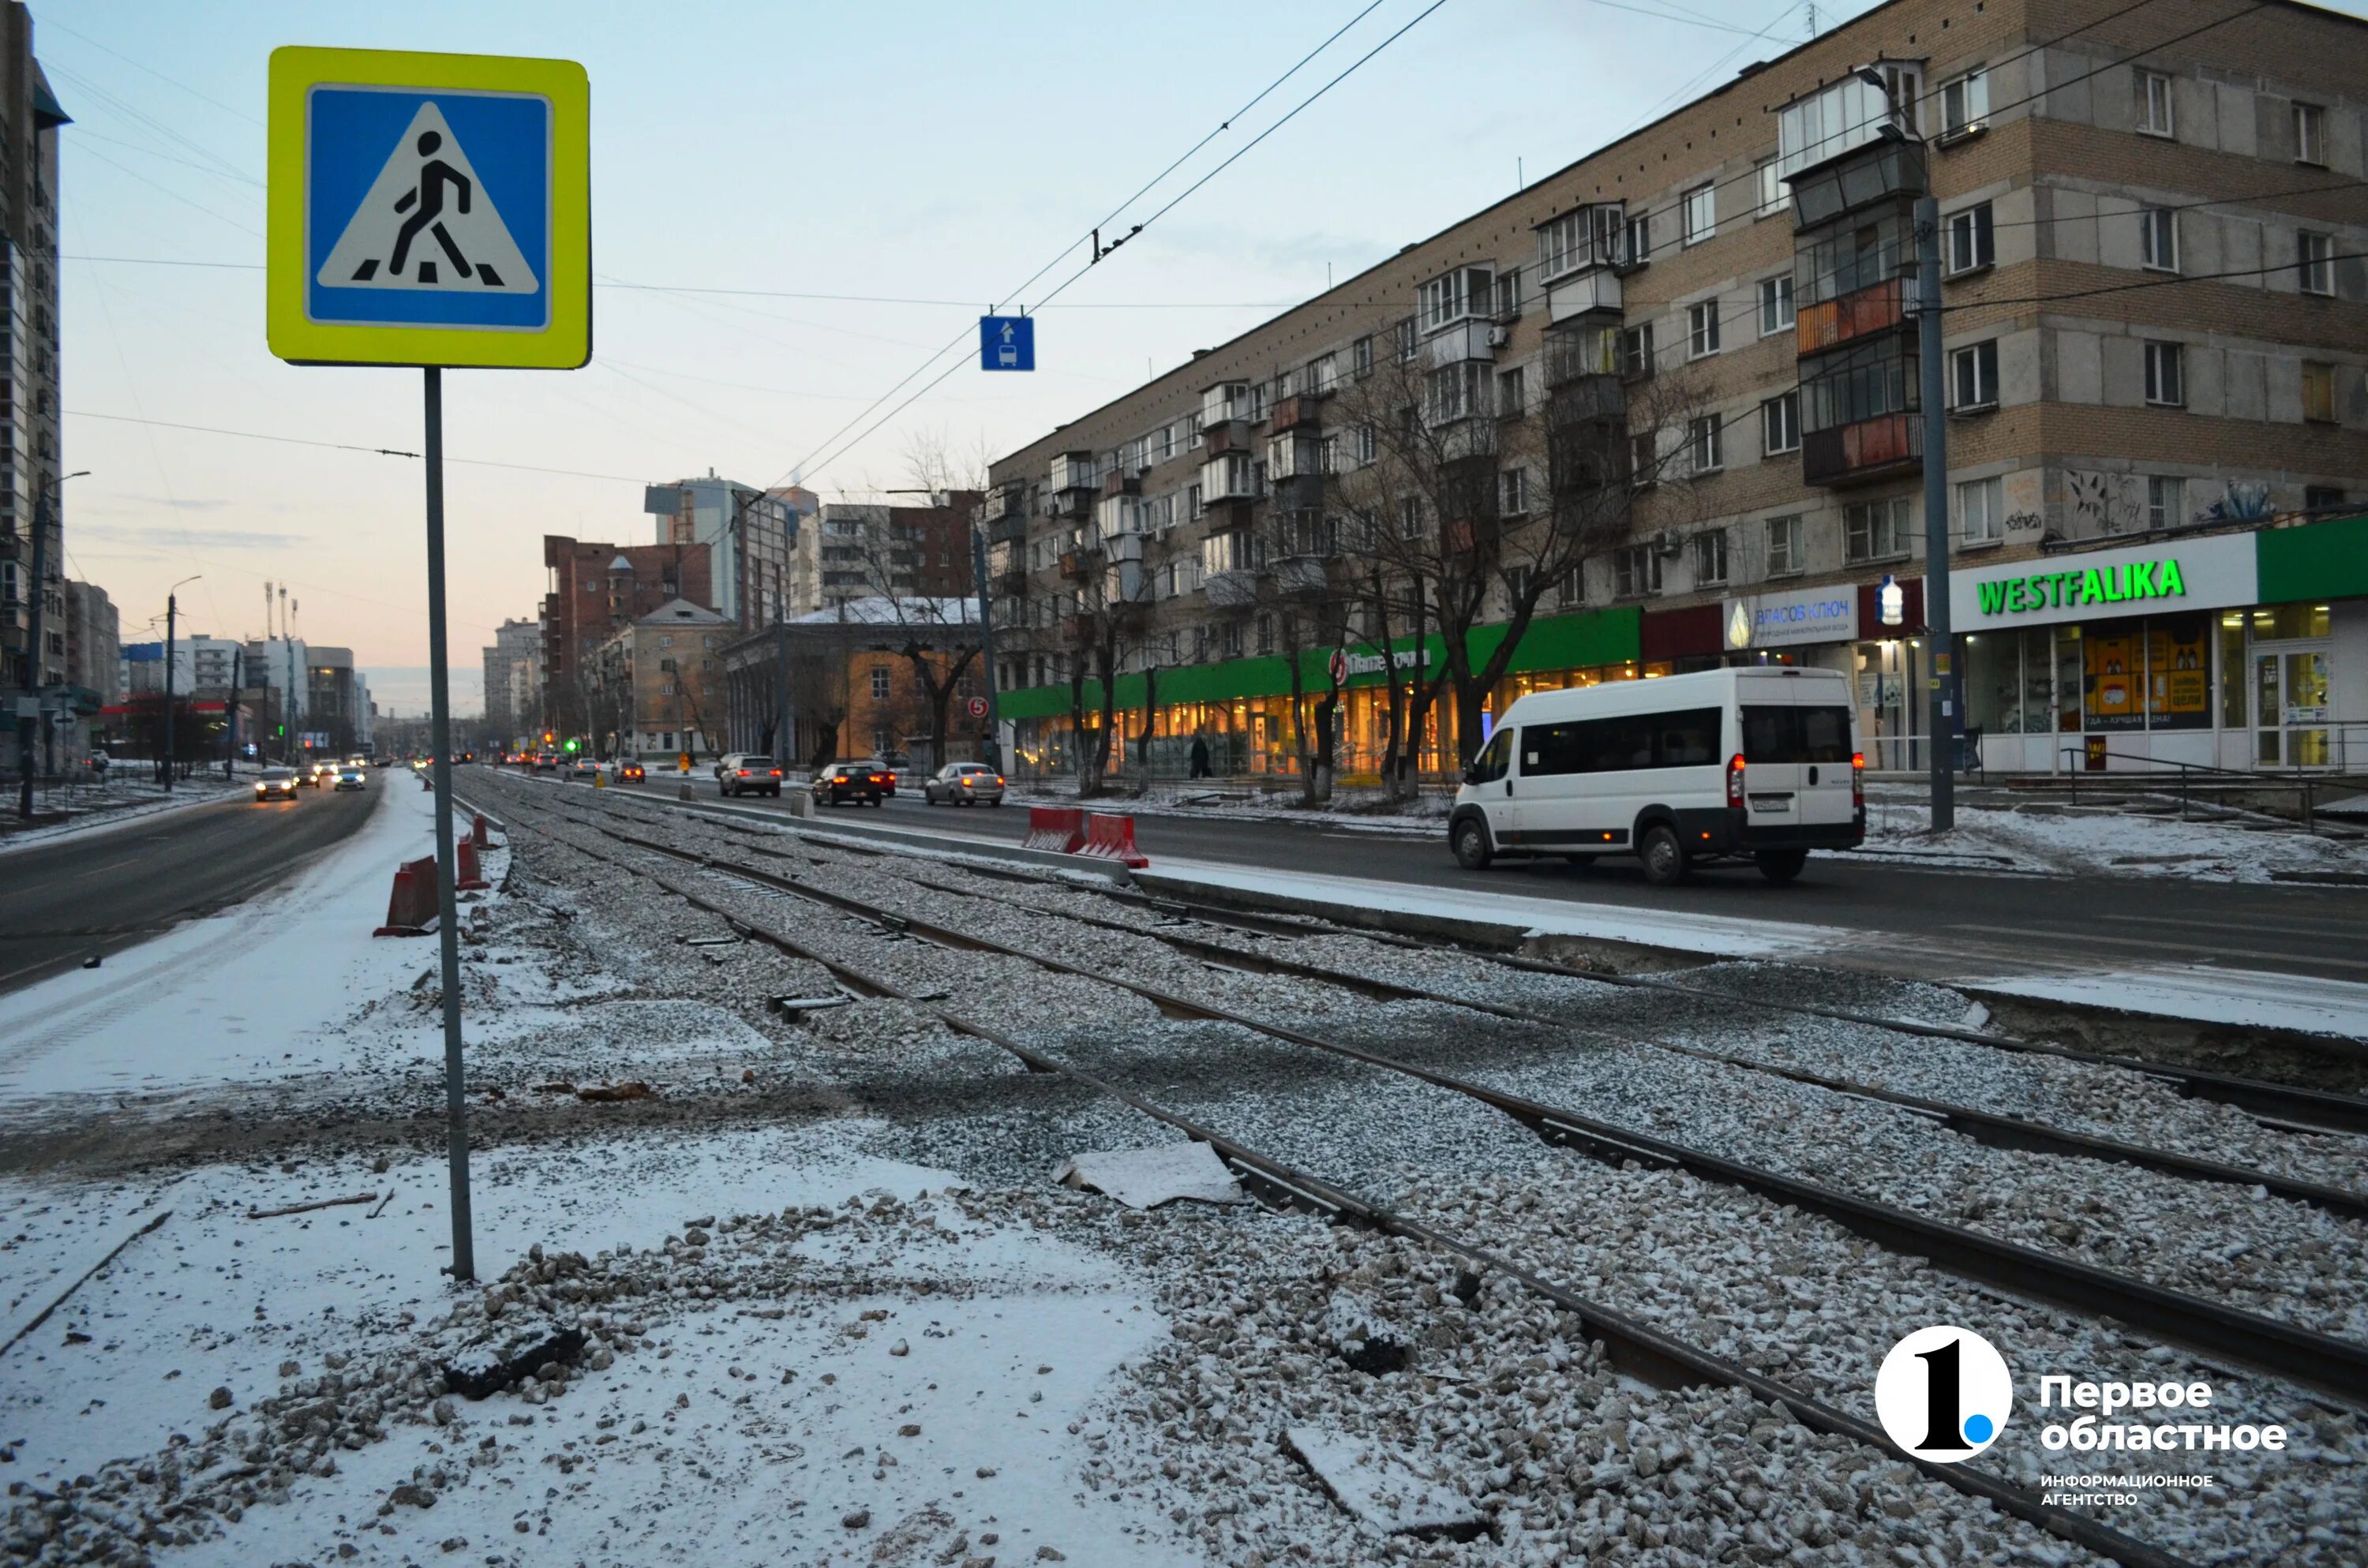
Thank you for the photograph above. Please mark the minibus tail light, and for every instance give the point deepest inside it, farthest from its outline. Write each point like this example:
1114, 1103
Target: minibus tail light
1735, 780
1857, 780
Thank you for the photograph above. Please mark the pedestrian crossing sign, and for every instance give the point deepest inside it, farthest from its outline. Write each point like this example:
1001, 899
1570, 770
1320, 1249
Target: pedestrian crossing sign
430, 209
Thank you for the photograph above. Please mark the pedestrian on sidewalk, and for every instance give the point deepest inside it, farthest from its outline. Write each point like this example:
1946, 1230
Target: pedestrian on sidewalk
1200, 755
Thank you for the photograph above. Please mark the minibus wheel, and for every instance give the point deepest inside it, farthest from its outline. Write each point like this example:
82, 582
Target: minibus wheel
1781, 866
1470, 842
1663, 857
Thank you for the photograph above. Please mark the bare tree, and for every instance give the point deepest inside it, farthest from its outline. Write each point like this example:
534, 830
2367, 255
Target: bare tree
1473, 496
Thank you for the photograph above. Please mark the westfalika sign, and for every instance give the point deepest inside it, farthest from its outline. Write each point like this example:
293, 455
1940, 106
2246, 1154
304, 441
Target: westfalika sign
2094, 585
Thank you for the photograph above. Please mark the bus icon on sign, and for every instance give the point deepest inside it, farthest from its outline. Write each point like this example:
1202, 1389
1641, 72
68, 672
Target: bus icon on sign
1006, 343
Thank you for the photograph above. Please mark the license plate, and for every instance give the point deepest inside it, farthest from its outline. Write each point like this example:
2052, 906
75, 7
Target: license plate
1771, 802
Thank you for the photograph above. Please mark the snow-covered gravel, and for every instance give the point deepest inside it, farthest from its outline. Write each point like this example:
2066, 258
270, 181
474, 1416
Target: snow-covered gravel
2278, 1258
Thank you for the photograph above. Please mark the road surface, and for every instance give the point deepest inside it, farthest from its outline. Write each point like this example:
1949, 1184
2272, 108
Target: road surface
1943, 924
101, 892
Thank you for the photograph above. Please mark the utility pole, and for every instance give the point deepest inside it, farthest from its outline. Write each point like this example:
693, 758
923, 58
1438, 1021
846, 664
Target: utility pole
169, 610
1941, 721
781, 676
992, 751
448, 903
230, 713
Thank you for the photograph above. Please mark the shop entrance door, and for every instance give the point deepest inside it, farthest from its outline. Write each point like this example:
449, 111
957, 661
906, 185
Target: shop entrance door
2292, 692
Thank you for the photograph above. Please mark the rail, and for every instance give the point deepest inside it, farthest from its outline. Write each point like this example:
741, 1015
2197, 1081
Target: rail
2305, 785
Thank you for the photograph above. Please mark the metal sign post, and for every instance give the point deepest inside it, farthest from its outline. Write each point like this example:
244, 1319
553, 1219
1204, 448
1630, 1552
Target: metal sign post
431, 209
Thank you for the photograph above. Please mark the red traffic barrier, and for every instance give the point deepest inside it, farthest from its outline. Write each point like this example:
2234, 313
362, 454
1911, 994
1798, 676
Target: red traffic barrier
1060, 829
1111, 837
477, 833
411, 908
470, 876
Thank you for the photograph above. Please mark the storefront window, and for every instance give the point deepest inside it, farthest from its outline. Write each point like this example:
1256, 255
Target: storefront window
2071, 679
2178, 674
2279, 622
1993, 682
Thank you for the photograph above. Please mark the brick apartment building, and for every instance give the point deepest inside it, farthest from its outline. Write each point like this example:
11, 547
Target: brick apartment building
859, 551
593, 591
2152, 227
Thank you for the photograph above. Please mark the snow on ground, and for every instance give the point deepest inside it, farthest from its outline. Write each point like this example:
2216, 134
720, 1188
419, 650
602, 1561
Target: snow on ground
2205, 994
102, 809
2113, 842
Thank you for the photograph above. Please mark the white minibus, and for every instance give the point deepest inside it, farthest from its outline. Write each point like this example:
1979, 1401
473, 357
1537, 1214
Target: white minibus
1759, 763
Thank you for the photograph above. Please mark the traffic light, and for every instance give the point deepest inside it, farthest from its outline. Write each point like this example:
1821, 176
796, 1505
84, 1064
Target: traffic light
549, 736
571, 742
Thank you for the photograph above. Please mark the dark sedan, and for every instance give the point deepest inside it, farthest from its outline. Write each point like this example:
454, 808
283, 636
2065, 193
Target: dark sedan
844, 781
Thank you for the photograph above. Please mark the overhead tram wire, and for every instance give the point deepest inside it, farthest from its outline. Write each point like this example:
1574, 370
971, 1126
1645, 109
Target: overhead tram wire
1170, 206
346, 446
807, 465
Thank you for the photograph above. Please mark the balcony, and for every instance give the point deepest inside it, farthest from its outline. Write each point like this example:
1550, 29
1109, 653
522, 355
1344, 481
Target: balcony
1879, 307
1236, 590
1072, 504
1869, 450
1471, 340
1230, 436
1008, 585
1006, 501
1885, 171
1118, 482
1079, 565
1594, 293
1291, 412
1231, 477
1298, 493
1008, 530
1464, 535
1587, 399
1468, 439
1302, 576
1074, 471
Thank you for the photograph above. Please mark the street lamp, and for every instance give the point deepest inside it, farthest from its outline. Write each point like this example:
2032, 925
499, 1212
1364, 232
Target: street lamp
1941, 706
171, 607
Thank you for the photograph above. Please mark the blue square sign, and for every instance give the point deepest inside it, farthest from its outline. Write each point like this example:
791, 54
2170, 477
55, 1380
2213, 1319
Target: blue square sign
427, 209
1006, 343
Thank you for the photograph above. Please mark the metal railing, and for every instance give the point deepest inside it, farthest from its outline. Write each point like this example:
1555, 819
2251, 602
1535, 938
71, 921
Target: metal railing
2305, 785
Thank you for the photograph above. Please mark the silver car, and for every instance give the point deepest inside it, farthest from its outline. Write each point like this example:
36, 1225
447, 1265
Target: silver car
963, 784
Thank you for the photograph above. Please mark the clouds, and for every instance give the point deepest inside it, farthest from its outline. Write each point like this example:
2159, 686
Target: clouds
186, 538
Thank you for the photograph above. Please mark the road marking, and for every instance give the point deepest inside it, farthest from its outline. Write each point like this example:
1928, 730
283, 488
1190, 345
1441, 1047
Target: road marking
2161, 944
2217, 925
111, 866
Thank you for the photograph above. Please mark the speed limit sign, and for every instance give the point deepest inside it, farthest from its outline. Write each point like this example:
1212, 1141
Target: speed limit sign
978, 707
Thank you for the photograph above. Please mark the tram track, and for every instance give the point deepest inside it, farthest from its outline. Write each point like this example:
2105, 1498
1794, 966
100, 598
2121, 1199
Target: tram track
2330, 1364
1630, 1343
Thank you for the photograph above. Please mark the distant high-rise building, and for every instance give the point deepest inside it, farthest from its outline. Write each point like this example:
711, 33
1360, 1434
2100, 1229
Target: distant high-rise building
750, 535
515, 641
30, 116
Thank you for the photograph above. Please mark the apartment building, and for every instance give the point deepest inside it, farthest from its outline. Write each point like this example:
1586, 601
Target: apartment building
853, 551
506, 720
750, 535
1673, 400
594, 591
31, 496
660, 684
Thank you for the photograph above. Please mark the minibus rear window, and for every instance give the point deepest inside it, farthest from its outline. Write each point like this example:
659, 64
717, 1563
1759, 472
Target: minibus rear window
1771, 733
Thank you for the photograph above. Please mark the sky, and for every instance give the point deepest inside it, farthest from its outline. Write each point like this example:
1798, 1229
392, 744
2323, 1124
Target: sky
929, 157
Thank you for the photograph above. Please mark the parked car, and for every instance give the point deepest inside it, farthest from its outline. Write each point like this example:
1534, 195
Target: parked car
883, 772
1758, 763
965, 784
350, 777
750, 775
631, 773
844, 781
276, 784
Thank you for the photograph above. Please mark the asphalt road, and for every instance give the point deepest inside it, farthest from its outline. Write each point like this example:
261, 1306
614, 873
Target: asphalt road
1950, 924
101, 893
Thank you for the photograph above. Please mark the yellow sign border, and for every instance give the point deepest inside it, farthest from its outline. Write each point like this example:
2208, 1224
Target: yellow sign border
565, 345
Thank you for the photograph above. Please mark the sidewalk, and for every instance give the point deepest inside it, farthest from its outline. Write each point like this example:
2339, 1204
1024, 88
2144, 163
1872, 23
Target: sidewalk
83, 808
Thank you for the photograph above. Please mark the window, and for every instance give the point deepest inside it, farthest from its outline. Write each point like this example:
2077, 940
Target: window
1508, 294
1635, 572
2165, 374
1784, 556
1572, 589
1878, 530
879, 685
2166, 501
1511, 402
1701, 329
1360, 358
1192, 507
1776, 305
1706, 443
1637, 244
1702, 213
1637, 351
2323, 498
1970, 239
1795, 734
2315, 265
1516, 586
2159, 239
2311, 133
1981, 511
1459, 392
1770, 187
1467, 290
1780, 425
1513, 492
2318, 392
1973, 376
1322, 374
1850, 113
1688, 738
1409, 340
1644, 459
2153, 103
1710, 557
1966, 103
1362, 444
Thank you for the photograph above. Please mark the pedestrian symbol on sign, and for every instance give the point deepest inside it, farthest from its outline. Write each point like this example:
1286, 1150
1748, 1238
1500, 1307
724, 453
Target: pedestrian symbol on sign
427, 223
